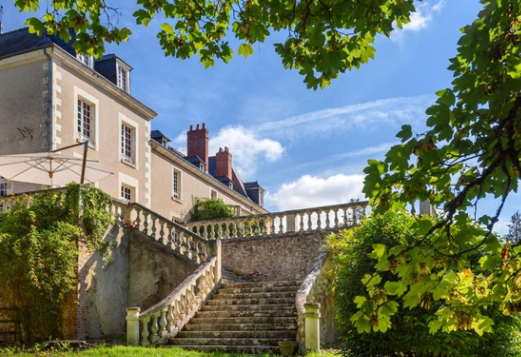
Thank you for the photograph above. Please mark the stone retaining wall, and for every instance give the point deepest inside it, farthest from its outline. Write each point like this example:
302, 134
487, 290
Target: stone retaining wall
272, 258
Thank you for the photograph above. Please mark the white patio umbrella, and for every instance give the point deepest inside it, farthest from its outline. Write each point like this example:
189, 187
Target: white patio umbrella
52, 169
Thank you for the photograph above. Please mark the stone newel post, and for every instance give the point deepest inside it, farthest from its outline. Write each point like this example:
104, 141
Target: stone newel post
290, 223
312, 326
133, 326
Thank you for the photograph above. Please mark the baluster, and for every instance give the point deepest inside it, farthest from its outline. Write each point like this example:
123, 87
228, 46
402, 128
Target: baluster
204, 251
189, 241
319, 220
302, 222
145, 222
310, 223
336, 226
154, 228
281, 224
202, 288
328, 222
155, 328
162, 323
227, 229
144, 334
162, 233
180, 245
197, 249
177, 314
355, 218
235, 233
138, 219
171, 320
257, 227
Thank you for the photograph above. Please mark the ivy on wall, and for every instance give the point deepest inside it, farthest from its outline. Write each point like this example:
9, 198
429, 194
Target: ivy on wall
39, 251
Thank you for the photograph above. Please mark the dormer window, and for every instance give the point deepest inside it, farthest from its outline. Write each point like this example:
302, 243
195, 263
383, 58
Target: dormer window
86, 60
123, 78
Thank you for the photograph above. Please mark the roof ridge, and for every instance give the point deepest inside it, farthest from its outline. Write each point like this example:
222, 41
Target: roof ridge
10, 32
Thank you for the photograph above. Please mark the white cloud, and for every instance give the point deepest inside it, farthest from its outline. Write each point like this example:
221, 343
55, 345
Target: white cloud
364, 116
371, 150
313, 191
247, 148
501, 226
439, 5
419, 21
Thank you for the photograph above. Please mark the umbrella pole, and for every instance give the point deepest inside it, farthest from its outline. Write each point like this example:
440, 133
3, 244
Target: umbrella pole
84, 164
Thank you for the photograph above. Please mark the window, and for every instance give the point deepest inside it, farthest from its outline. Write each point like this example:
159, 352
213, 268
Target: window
126, 193
3, 188
122, 78
85, 59
213, 194
85, 121
127, 144
177, 184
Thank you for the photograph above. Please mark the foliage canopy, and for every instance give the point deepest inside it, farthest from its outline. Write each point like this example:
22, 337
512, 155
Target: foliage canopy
324, 37
471, 151
410, 335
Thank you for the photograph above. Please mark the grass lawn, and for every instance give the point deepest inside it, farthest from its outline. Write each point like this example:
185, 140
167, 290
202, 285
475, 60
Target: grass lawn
113, 351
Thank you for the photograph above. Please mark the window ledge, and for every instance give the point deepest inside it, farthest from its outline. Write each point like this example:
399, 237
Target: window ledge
178, 200
123, 161
82, 140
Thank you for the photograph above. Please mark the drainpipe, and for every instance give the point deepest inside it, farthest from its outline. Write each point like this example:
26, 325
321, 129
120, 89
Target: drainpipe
49, 101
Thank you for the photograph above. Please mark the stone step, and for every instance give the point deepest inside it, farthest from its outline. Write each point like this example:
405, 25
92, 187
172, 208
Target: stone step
243, 320
270, 295
265, 284
280, 334
267, 301
230, 341
254, 350
293, 289
246, 307
240, 327
249, 313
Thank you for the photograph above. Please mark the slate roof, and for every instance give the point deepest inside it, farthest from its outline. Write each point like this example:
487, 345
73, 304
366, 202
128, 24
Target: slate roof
21, 41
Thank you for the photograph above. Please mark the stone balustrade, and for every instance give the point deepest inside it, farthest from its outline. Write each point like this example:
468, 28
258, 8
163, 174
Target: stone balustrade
328, 218
165, 319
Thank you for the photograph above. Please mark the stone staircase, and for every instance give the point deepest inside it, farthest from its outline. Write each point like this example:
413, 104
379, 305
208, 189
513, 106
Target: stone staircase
243, 317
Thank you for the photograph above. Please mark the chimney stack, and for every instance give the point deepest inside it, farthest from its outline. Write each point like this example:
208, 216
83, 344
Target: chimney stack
223, 162
198, 143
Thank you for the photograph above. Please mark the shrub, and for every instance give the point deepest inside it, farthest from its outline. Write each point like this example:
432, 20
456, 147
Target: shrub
409, 335
38, 254
212, 208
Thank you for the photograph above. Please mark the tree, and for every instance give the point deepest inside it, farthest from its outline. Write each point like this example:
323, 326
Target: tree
514, 229
211, 208
324, 37
471, 151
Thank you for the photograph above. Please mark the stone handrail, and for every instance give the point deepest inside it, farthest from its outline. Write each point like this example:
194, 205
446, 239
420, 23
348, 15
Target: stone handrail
328, 218
165, 319
308, 320
170, 234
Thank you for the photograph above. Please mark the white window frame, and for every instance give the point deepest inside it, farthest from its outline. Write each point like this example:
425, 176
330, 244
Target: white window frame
216, 193
125, 121
130, 182
123, 192
121, 67
86, 60
82, 95
177, 195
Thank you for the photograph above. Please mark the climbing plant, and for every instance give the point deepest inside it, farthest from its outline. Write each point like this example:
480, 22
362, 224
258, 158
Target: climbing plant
38, 253
410, 334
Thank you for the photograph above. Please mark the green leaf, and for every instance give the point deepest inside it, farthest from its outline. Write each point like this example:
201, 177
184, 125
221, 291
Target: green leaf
405, 134
245, 50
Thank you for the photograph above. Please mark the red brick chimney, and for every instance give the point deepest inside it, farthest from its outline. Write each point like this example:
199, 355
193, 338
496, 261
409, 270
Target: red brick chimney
198, 143
223, 163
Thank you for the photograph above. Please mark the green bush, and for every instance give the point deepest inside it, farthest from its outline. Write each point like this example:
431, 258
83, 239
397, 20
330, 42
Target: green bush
211, 208
409, 335
39, 250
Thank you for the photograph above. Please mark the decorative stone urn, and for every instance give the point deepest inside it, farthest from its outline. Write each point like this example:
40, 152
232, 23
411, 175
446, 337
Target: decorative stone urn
287, 348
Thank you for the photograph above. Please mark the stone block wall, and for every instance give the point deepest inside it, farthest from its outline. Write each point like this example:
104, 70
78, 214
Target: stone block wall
272, 258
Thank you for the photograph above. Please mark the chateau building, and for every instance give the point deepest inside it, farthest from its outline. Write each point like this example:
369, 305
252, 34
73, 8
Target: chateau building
51, 97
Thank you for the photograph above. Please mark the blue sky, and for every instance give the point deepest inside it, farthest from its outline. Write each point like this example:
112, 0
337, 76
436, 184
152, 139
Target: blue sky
305, 147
